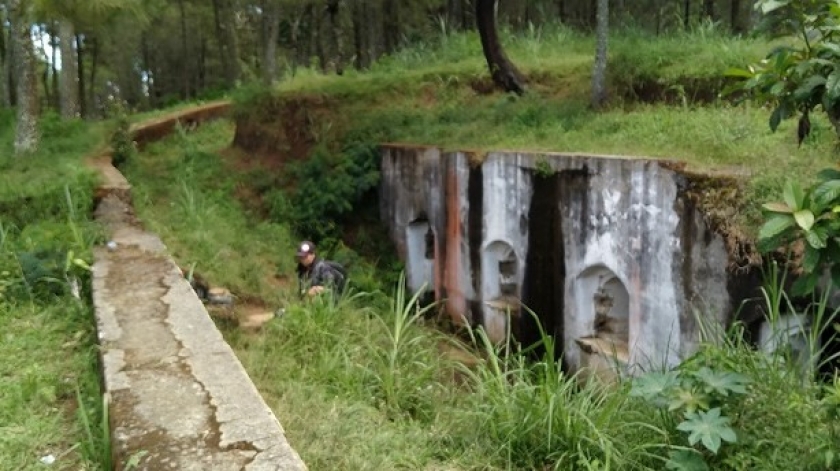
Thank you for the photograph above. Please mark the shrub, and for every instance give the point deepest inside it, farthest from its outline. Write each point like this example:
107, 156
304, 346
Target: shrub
327, 187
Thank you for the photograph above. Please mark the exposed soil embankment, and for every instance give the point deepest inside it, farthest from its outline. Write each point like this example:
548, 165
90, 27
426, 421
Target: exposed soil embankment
275, 130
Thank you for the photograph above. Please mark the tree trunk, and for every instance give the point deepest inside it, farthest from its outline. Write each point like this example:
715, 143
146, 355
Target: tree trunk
561, 11
45, 83
224, 17
185, 64
454, 14
80, 71
232, 41
272, 18
599, 72
297, 45
359, 19
686, 14
5, 99
738, 26
318, 39
201, 75
69, 93
54, 100
504, 73
26, 134
5, 64
94, 65
336, 37
390, 26
709, 9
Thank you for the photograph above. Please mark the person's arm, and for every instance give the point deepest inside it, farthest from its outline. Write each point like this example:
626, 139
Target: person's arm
321, 278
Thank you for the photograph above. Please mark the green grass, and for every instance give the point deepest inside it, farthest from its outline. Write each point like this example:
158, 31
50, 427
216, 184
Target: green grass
50, 402
426, 95
181, 195
365, 384
368, 384
48, 352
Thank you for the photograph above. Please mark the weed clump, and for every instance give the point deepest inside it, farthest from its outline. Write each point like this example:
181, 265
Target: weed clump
123, 148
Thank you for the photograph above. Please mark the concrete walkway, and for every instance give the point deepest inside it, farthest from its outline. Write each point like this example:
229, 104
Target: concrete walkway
179, 397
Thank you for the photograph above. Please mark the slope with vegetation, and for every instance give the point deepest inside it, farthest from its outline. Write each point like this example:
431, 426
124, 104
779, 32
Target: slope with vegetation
365, 384
369, 384
51, 405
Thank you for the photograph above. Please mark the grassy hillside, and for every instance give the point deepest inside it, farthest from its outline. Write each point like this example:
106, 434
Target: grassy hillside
363, 385
664, 105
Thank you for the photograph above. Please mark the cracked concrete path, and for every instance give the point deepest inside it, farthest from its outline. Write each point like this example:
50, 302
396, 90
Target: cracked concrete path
179, 398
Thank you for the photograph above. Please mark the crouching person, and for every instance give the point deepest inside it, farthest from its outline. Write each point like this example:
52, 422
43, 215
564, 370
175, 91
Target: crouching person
316, 275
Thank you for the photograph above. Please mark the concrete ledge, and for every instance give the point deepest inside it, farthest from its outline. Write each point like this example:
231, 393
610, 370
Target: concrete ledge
179, 398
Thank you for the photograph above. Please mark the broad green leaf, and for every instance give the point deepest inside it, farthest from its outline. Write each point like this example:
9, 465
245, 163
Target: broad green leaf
654, 386
722, 382
833, 47
776, 225
811, 259
736, 72
832, 86
686, 460
708, 428
807, 88
778, 207
793, 195
817, 238
688, 400
804, 219
828, 174
776, 118
832, 252
826, 192
772, 5
804, 285
835, 275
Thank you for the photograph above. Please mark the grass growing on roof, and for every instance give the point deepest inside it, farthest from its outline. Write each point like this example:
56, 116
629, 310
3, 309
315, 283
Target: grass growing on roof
435, 94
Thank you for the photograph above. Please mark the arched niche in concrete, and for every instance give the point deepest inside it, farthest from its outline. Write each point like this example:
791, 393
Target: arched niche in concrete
420, 251
602, 324
605, 300
500, 290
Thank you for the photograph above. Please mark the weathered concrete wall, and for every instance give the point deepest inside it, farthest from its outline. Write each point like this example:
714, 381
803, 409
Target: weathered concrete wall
554, 232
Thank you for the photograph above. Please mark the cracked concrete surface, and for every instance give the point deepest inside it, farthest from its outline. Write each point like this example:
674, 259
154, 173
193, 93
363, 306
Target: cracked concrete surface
179, 397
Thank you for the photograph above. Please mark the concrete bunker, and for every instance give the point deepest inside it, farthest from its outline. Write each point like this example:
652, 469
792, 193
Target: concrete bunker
605, 251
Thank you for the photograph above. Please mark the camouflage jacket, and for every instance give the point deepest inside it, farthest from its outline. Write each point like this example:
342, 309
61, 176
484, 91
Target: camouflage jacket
320, 273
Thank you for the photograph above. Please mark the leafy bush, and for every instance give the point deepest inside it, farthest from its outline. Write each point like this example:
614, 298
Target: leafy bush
799, 77
810, 216
326, 189
123, 149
